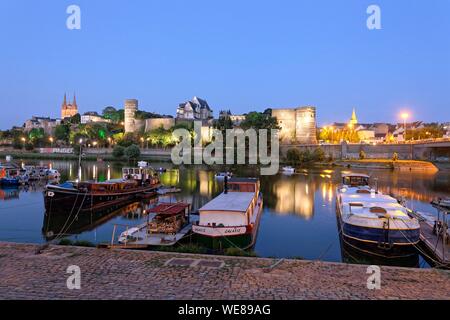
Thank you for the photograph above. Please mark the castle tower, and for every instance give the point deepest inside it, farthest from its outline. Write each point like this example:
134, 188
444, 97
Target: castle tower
353, 121
306, 125
131, 106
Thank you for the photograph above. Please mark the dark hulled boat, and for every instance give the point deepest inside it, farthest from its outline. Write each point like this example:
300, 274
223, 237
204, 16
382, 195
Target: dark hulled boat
73, 196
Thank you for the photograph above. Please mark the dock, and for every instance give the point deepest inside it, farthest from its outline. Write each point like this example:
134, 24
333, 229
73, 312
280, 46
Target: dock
436, 244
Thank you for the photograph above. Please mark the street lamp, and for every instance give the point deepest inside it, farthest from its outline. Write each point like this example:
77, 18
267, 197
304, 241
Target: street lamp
405, 117
23, 141
142, 141
51, 141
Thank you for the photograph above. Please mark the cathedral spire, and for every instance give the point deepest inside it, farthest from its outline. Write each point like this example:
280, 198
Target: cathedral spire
74, 101
354, 120
64, 105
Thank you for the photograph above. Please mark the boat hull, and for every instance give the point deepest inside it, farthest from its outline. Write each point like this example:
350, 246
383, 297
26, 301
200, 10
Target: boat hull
225, 242
5, 182
378, 241
67, 200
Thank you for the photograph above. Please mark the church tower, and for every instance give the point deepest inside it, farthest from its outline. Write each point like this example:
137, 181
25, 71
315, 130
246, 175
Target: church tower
69, 110
353, 121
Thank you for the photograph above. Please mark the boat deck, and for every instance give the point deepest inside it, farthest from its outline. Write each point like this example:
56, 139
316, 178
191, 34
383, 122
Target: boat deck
432, 243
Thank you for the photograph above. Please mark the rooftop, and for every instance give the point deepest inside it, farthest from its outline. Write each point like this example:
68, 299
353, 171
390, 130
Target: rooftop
231, 201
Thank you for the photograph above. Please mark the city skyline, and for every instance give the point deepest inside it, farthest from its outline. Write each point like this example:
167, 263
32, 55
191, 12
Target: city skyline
236, 56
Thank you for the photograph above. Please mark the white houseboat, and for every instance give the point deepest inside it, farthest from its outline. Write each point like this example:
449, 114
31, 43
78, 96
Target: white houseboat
232, 218
373, 221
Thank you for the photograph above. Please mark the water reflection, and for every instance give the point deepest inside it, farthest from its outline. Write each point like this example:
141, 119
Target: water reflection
299, 212
293, 196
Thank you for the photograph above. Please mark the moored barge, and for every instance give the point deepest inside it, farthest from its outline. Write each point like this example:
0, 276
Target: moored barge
373, 222
232, 218
83, 196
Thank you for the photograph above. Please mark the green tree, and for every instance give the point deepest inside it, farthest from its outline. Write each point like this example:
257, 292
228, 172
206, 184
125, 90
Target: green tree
318, 155
118, 152
113, 114
132, 152
258, 120
76, 119
293, 156
127, 140
36, 134
362, 155
62, 132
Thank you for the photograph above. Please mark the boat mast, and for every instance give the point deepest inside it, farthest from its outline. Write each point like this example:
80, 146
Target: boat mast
79, 160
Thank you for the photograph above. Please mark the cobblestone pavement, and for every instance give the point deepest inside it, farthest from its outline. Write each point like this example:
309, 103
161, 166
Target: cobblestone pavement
115, 274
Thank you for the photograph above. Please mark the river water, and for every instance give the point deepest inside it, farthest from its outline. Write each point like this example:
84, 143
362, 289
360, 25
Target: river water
299, 219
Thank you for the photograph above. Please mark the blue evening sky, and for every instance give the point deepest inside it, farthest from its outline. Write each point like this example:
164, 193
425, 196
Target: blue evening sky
238, 55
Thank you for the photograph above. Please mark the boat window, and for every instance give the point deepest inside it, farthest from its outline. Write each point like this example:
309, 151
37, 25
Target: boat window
378, 210
356, 181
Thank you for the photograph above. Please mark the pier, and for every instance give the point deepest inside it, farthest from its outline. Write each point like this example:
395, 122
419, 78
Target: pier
436, 244
119, 274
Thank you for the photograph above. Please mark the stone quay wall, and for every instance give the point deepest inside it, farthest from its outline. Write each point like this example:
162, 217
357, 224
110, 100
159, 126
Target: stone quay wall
120, 274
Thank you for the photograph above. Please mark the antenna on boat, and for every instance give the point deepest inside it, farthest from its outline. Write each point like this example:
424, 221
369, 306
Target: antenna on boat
79, 160
225, 184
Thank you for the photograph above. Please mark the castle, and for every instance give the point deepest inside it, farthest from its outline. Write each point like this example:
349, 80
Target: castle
68, 110
298, 125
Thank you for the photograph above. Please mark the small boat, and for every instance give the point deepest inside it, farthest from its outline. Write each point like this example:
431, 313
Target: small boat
222, 175
288, 170
38, 172
169, 224
372, 221
91, 195
441, 202
232, 218
52, 174
10, 182
166, 190
11, 176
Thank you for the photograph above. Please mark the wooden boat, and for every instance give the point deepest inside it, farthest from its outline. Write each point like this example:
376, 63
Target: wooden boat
372, 221
91, 195
168, 223
232, 218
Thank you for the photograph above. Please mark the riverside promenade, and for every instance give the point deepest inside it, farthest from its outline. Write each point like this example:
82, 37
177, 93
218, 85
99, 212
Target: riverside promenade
119, 274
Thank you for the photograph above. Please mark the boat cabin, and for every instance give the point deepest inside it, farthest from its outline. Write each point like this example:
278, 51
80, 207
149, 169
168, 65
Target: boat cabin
232, 208
242, 185
143, 172
170, 218
355, 180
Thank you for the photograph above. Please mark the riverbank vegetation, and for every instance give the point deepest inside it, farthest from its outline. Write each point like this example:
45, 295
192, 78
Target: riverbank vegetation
296, 157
